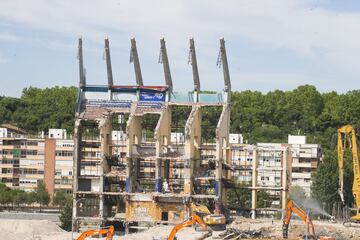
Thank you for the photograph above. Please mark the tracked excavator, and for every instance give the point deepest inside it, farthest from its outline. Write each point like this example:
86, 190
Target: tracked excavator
108, 231
349, 136
291, 207
194, 219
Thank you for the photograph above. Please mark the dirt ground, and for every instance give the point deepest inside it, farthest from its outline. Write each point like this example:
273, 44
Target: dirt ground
47, 230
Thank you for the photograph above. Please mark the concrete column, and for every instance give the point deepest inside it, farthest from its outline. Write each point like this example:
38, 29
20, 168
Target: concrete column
254, 183
76, 170
162, 141
129, 170
285, 177
158, 177
49, 166
105, 138
192, 145
133, 130
222, 142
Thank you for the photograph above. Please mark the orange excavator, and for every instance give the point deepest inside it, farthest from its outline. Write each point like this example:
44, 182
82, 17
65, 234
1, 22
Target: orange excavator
194, 219
290, 208
108, 231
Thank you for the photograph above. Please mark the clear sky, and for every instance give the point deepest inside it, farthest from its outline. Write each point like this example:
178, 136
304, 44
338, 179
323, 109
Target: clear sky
270, 44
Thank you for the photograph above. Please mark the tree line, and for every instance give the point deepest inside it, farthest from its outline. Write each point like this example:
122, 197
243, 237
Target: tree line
260, 117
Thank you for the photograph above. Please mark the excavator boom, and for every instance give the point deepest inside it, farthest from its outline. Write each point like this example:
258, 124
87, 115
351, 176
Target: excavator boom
349, 132
194, 219
290, 208
108, 231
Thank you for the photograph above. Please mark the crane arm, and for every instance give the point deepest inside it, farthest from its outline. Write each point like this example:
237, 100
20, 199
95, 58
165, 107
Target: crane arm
290, 208
348, 130
109, 233
195, 219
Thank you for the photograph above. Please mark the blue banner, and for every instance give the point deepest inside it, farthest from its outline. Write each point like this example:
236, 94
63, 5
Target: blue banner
152, 96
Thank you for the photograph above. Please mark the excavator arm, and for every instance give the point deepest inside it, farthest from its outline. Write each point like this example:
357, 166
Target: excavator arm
290, 208
349, 132
108, 231
194, 219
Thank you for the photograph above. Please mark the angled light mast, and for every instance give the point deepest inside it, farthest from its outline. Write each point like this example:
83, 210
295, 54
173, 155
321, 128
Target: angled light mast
193, 62
135, 59
82, 77
222, 60
108, 63
163, 58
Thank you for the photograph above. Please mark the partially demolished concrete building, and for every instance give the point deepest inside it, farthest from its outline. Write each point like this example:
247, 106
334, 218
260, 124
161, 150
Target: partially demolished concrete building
128, 169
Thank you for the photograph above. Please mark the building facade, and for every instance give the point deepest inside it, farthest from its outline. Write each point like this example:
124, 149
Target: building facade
25, 159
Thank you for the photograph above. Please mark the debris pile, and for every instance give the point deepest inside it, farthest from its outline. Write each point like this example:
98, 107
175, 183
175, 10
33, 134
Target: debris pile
232, 233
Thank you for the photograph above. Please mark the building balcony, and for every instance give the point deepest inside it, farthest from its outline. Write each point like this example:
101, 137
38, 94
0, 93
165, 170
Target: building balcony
303, 175
301, 165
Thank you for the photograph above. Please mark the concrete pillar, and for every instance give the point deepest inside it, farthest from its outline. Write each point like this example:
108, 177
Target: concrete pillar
254, 183
129, 170
192, 145
162, 141
49, 166
133, 130
285, 178
76, 170
222, 143
158, 177
105, 126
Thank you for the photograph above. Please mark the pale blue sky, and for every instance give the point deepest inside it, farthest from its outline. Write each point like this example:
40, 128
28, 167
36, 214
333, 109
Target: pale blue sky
270, 44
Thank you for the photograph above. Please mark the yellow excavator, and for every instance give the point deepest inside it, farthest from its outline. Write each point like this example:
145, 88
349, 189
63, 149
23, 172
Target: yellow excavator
349, 134
215, 221
89, 233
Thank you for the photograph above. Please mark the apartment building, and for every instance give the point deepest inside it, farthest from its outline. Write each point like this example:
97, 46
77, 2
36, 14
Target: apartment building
305, 160
272, 161
26, 159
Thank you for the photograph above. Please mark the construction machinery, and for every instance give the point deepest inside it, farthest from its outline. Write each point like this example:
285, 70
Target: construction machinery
89, 233
349, 136
216, 221
290, 208
194, 219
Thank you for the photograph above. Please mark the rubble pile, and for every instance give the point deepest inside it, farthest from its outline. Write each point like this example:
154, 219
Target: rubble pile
232, 233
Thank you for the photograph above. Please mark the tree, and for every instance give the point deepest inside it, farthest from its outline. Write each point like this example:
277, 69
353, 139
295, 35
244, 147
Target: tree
61, 198
30, 198
263, 199
66, 216
42, 195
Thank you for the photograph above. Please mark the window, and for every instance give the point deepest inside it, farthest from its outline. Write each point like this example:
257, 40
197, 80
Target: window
64, 153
